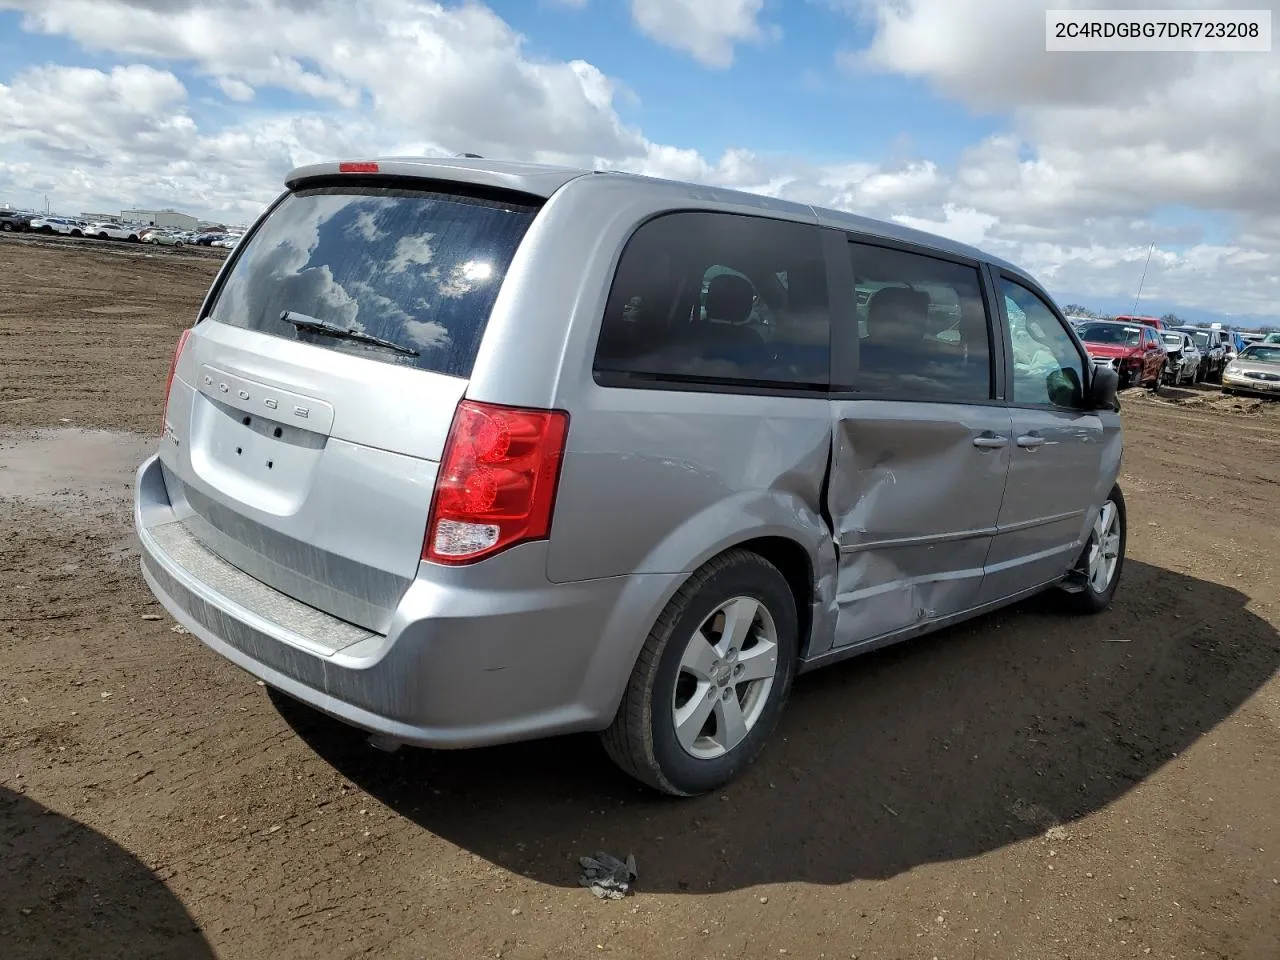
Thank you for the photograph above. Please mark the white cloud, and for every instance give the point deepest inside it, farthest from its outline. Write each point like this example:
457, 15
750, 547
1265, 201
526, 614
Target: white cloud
411, 251
236, 90
962, 224
1093, 147
707, 30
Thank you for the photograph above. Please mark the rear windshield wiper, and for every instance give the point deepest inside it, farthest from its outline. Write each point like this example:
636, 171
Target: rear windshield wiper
303, 322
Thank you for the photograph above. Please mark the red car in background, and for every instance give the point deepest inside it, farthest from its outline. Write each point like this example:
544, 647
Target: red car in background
1134, 349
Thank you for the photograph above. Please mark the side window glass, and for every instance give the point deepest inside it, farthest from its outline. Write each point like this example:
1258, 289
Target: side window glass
718, 299
1047, 368
923, 331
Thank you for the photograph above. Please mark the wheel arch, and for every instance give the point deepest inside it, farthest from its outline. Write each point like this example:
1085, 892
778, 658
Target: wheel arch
794, 562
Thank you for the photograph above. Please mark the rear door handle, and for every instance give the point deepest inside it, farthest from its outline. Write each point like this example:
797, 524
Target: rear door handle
1030, 441
990, 441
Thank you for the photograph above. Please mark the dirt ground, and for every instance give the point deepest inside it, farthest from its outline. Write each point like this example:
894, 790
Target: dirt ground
1027, 786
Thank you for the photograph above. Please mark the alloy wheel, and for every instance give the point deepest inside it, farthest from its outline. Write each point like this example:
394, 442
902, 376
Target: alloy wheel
1104, 548
727, 670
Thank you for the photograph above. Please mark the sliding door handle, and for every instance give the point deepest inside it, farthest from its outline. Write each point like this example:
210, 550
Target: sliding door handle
990, 441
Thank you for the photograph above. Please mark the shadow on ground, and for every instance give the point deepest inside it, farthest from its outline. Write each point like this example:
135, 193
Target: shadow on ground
943, 748
67, 891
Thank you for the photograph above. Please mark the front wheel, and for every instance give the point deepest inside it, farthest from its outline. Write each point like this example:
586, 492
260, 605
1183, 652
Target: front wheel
1097, 572
711, 678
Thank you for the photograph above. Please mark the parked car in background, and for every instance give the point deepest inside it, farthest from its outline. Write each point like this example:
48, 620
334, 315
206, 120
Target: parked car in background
1183, 358
1145, 321
61, 225
163, 237
1213, 352
1271, 338
227, 241
413, 524
1133, 350
11, 222
206, 239
1256, 370
107, 230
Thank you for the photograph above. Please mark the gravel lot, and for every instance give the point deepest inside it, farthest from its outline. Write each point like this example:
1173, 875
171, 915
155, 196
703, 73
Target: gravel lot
1027, 786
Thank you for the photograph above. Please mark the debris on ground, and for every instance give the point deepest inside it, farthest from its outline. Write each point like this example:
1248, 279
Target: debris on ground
608, 877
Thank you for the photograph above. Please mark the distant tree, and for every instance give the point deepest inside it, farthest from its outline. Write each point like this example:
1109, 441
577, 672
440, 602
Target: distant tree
1173, 319
1077, 310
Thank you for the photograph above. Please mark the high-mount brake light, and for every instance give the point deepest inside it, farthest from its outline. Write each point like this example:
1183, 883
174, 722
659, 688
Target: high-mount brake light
168, 383
358, 166
497, 481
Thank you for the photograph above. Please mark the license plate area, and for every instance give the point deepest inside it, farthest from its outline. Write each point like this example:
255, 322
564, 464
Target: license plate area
258, 460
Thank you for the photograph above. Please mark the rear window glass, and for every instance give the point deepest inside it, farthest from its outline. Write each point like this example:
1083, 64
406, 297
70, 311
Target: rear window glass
1110, 333
417, 269
718, 299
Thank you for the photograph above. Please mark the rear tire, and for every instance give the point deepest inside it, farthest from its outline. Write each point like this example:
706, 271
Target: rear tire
1098, 579
694, 715
6, 227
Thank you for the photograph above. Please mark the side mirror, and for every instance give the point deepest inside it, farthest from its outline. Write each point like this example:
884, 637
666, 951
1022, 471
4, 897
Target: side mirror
1103, 386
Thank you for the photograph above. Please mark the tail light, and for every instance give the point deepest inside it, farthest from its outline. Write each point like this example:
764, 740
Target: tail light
168, 383
497, 481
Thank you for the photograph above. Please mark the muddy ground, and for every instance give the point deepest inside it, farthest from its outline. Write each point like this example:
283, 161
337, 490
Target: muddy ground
1027, 786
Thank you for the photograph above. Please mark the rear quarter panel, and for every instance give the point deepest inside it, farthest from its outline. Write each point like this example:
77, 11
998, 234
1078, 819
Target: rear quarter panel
653, 481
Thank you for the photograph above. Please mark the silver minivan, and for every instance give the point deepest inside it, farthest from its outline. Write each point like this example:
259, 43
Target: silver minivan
465, 452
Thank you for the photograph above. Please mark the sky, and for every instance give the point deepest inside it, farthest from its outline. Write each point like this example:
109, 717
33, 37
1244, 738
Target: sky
945, 115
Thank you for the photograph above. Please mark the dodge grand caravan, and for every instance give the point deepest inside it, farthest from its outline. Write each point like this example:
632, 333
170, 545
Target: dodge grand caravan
465, 452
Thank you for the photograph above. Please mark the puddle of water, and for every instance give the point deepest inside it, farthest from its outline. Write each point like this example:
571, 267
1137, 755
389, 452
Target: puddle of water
93, 467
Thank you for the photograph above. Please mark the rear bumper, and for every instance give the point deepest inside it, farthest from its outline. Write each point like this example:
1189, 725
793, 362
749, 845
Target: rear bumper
476, 655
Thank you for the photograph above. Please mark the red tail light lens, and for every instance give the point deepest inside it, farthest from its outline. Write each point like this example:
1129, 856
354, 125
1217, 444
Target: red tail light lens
497, 481
357, 166
168, 383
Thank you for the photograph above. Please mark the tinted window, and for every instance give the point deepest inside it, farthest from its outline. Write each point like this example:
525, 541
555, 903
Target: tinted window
718, 299
1047, 367
1113, 333
419, 269
922, 327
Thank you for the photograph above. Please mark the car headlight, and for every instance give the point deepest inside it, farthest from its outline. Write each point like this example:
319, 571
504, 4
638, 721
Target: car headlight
1233, 367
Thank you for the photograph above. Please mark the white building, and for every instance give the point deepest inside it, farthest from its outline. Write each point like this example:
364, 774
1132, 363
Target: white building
161, 218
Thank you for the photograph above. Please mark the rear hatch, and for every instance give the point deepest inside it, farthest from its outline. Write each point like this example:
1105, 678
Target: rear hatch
310, 406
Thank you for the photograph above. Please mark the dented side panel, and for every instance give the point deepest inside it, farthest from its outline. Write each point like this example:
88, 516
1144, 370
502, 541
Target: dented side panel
655, 483
914, 504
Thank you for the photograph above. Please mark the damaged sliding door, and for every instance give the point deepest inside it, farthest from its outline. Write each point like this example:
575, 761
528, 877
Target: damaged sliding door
921, 443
